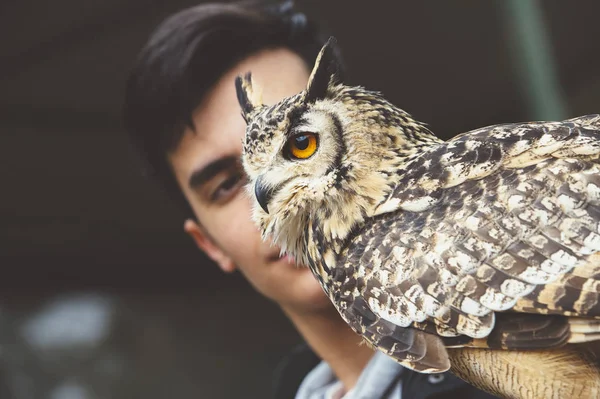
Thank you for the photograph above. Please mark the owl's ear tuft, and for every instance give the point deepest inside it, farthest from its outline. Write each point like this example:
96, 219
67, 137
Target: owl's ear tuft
247, 96
325, 72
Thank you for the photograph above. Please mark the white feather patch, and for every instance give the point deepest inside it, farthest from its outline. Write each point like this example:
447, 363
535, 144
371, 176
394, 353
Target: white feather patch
515, 288
564, 258
496, 300
472, 328
533, 275
472, 307
418, 204
552, 267
390, 205
592, 241
387, 314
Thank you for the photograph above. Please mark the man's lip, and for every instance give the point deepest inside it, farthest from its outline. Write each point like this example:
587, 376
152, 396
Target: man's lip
277, 258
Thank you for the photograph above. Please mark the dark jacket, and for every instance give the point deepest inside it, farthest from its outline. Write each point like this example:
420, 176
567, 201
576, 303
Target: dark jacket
292, 370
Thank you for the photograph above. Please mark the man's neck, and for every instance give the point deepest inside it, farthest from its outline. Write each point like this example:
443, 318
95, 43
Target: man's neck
334, 342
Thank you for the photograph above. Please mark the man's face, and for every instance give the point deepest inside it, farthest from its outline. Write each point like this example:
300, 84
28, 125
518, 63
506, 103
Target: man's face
207, 167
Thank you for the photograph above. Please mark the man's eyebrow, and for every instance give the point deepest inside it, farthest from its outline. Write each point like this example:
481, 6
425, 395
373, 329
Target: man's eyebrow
204, 174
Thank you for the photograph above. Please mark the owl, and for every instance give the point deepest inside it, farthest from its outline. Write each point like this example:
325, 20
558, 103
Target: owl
479, 254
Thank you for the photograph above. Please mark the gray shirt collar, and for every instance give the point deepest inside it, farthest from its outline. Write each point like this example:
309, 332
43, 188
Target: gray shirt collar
374, 381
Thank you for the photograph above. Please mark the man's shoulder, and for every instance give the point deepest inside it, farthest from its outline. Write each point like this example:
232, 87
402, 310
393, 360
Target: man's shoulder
292, 370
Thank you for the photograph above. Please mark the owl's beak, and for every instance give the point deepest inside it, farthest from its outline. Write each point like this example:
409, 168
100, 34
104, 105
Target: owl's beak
263, 194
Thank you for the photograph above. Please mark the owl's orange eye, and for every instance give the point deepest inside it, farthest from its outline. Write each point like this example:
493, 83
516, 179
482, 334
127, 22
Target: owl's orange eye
302, 146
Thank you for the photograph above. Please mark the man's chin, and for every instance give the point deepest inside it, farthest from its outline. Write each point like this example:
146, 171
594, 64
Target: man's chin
310, 287
307, 289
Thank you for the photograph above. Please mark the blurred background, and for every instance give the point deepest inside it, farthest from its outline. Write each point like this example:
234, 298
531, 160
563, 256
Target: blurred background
101, 293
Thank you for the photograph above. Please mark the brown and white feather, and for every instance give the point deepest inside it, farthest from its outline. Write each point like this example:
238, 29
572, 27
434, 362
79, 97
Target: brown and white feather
487, 241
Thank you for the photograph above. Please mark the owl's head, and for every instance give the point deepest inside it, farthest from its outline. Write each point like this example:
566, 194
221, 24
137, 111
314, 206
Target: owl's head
324, 153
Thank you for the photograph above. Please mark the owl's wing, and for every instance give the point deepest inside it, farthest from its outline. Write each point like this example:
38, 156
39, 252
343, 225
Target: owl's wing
491, 225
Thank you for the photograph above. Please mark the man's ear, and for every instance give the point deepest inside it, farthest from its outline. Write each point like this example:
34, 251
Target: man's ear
206, 244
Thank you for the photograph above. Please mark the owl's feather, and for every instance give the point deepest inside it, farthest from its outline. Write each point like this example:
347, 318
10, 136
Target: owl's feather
490, 239
554, 374
487, 242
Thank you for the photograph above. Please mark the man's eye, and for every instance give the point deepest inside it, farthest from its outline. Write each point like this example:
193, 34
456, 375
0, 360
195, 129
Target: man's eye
227, 187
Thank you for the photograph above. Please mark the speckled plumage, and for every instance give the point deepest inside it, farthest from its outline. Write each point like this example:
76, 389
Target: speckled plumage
488, 240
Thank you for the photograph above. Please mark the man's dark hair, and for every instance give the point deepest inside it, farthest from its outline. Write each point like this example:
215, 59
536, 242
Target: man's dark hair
186, 55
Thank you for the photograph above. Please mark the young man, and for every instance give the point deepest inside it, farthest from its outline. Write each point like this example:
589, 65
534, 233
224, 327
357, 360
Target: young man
182, 114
